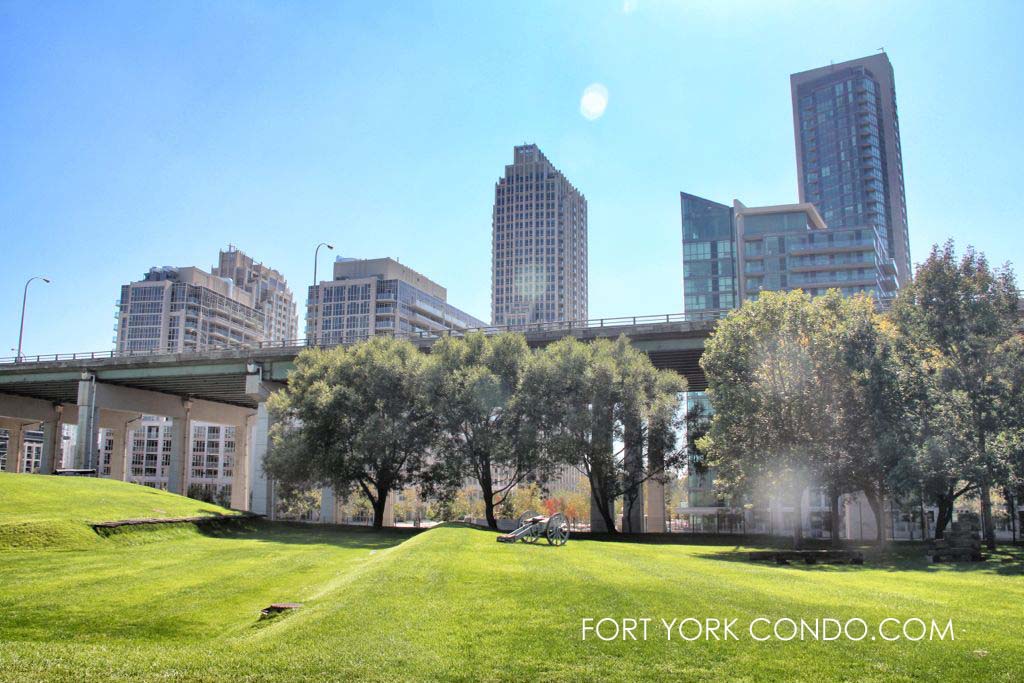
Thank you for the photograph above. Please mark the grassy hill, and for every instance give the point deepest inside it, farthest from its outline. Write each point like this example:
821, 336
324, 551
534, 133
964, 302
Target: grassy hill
55, 512
451, 604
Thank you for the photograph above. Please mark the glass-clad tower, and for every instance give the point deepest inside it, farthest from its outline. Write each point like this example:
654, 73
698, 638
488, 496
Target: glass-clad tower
848, 155
732, 254
709, 257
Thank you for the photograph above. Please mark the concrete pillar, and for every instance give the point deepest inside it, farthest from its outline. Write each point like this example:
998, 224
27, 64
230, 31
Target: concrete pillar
261, 494
53, 443
633, 501
181, 453
119, 452
328, 506
88, 424
655, 507
16, 448
240, 480
655, 489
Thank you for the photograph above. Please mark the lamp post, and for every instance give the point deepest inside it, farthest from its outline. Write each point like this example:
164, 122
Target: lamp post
24, 300
316, 260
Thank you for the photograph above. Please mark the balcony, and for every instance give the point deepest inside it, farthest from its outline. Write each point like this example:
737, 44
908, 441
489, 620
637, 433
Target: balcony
805, 247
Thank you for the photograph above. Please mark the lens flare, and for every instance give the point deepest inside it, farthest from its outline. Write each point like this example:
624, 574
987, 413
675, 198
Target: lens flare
594, 101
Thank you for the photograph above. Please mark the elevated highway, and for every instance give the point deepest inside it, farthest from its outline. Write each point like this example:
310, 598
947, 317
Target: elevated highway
96, 390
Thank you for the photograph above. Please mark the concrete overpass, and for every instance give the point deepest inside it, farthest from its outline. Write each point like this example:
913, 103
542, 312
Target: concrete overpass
97, 390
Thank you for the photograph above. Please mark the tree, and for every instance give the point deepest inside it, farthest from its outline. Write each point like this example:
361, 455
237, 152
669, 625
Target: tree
766, 399
295, 501
882, 414
804, 391
473, 384
354, 418
957, 316
585, 397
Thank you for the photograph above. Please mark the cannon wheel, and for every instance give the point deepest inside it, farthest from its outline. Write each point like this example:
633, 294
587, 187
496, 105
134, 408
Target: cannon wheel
529, 514
557, 530
532, 534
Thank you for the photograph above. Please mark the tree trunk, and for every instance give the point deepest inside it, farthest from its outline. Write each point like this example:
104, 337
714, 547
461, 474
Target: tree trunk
1011, 509
379, 503
876, 502
986, 516
487, 489
798, 523
833, 496
924, 520
600, 497
945, 505
492, 521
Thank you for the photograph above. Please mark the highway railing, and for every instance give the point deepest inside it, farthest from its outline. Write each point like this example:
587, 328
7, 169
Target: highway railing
537, 327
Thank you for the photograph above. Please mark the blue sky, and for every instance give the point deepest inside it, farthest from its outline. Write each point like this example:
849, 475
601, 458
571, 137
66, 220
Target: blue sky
135, 134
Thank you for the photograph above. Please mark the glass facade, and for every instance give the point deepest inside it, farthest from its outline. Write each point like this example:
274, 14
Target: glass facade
709, 257
843, 156
848, 151
732, 254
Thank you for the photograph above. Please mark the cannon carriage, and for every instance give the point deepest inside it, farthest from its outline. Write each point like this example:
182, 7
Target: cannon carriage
533, 527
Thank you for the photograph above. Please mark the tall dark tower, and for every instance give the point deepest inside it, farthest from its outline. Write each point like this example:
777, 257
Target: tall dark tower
848, 156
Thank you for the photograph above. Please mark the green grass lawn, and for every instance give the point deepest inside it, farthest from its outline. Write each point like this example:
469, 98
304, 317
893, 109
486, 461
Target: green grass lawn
451, 603
55, 512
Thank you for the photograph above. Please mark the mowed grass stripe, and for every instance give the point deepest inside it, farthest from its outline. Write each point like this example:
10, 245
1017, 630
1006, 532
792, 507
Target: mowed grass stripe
451, 604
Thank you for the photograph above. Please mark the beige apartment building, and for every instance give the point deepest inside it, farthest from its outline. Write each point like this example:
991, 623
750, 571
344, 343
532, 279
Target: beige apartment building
270, 291
174, 310
368, 297
539, 244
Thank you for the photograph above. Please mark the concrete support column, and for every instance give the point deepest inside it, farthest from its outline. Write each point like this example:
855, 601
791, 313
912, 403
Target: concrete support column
181, 437
119, 452
261, 494
656, 507
655, 490
16, 448
240, 480
328, 506
633, 501
88, 424
53, 443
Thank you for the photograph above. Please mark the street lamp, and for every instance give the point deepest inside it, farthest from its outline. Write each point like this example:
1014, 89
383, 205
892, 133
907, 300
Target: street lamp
316, 256
316, 260
24, 299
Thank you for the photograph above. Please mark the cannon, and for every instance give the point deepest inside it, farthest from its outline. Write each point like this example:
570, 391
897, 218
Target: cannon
532, 527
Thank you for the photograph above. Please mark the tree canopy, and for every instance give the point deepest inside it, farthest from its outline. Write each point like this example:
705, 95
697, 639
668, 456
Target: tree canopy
354, 418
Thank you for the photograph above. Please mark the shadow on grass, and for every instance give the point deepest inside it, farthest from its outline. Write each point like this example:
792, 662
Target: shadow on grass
1005, 561
338, 535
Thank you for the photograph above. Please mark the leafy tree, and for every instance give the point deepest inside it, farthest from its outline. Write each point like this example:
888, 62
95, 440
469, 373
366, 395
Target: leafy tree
473, 385
584, 397
354, 418
526, 497
879, 427
804, 391
296, 501
765, 398
957, 316
573, 503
